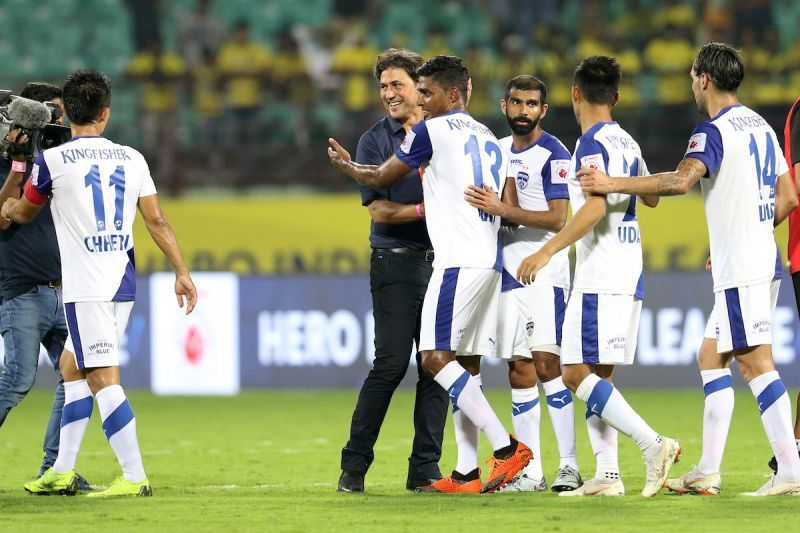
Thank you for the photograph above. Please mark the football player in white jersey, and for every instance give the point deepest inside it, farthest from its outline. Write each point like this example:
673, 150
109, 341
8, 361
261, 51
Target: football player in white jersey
95, 187
735, 157
602, 318
531, 317
459, 312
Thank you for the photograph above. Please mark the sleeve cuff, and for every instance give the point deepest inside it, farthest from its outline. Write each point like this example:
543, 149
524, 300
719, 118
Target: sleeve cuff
33, 195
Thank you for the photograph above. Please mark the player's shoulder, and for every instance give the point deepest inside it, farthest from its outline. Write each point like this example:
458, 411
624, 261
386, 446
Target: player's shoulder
506, 143
554, 145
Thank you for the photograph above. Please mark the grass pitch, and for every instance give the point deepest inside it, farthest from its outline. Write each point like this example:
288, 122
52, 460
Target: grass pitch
270, 461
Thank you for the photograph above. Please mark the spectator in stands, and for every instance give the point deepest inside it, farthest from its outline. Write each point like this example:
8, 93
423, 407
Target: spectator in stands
667, 57
244, 67
353, 59
674, 13
208, 107
161, 75
198, 33
293, 85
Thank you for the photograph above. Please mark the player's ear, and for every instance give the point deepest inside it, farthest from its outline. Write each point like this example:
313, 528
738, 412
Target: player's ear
545, 107
503, 105
576, 94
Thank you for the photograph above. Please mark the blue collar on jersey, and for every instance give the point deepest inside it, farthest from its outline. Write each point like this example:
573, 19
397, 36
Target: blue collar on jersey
534, 143
453, 112
596, 127
725, 110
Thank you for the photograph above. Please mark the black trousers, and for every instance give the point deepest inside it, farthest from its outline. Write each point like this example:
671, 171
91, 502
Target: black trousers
398, 284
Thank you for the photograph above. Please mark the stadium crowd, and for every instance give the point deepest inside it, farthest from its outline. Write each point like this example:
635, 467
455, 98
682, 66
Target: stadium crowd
275, 75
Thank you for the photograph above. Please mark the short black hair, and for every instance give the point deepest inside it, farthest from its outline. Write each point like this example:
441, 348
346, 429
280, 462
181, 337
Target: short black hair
598, 79
723, 64
86, 93
447, 71
525, 82
398, 58
41, 91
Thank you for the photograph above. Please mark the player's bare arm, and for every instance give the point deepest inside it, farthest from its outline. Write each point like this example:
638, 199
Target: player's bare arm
376, 176
689, 172
579, 225
164, 237
385, 211
785, 198
484, 198
19, 210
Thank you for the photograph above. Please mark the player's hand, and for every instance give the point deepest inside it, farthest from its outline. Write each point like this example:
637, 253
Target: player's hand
18, 142
708, 264
340, 158
531, 265
185, 290
595, 181
484, 199
9, 203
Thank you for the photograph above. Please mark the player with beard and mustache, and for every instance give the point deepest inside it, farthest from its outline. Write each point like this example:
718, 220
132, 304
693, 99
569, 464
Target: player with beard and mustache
529, 331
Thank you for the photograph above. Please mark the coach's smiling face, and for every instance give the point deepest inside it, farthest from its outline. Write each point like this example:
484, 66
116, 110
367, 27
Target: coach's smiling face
398, 93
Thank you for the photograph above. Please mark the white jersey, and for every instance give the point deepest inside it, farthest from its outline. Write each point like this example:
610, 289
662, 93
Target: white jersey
456, 151
95, 186
609, 257
743, 158
539, 172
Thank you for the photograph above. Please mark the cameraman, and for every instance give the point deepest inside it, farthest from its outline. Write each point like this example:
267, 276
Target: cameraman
31, 306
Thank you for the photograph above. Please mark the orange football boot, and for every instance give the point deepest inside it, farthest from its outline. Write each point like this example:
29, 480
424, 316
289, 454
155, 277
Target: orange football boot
448, 485
504, 470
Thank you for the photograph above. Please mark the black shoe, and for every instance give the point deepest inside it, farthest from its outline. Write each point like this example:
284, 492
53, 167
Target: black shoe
773, 463
351, 482
418, 479
83, 485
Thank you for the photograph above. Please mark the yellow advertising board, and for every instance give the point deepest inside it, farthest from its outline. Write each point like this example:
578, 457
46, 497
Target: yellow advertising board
328, 234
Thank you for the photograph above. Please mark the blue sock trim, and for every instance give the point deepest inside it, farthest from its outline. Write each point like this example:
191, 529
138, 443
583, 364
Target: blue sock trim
559, 399
456, 388
770, 395
524, 407
724, 382
118, 419
77, 410
599, 397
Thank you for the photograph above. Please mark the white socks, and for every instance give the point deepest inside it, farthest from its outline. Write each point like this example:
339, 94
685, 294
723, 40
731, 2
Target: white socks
467, 435
717, 413
78, 403
562, 414
603, 400
119, 425
604, 440
468, 396
525, 415
776, 415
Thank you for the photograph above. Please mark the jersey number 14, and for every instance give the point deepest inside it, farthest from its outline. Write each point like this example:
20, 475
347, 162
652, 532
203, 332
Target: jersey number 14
116, 180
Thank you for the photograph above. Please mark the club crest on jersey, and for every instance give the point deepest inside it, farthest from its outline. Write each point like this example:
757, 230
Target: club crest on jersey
522, 180
558, 171
697, 143
405, 146
592, 161
529, 328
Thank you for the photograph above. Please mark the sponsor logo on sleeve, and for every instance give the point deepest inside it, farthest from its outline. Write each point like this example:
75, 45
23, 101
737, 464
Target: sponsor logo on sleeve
406, 144
559, 169
697, 143
592, 161
35, 175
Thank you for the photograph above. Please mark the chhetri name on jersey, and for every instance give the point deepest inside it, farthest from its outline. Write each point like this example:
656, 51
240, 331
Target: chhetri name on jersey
72, 155
107, 243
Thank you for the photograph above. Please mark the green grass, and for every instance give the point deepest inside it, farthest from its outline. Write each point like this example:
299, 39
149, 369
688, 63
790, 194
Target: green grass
270, 461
